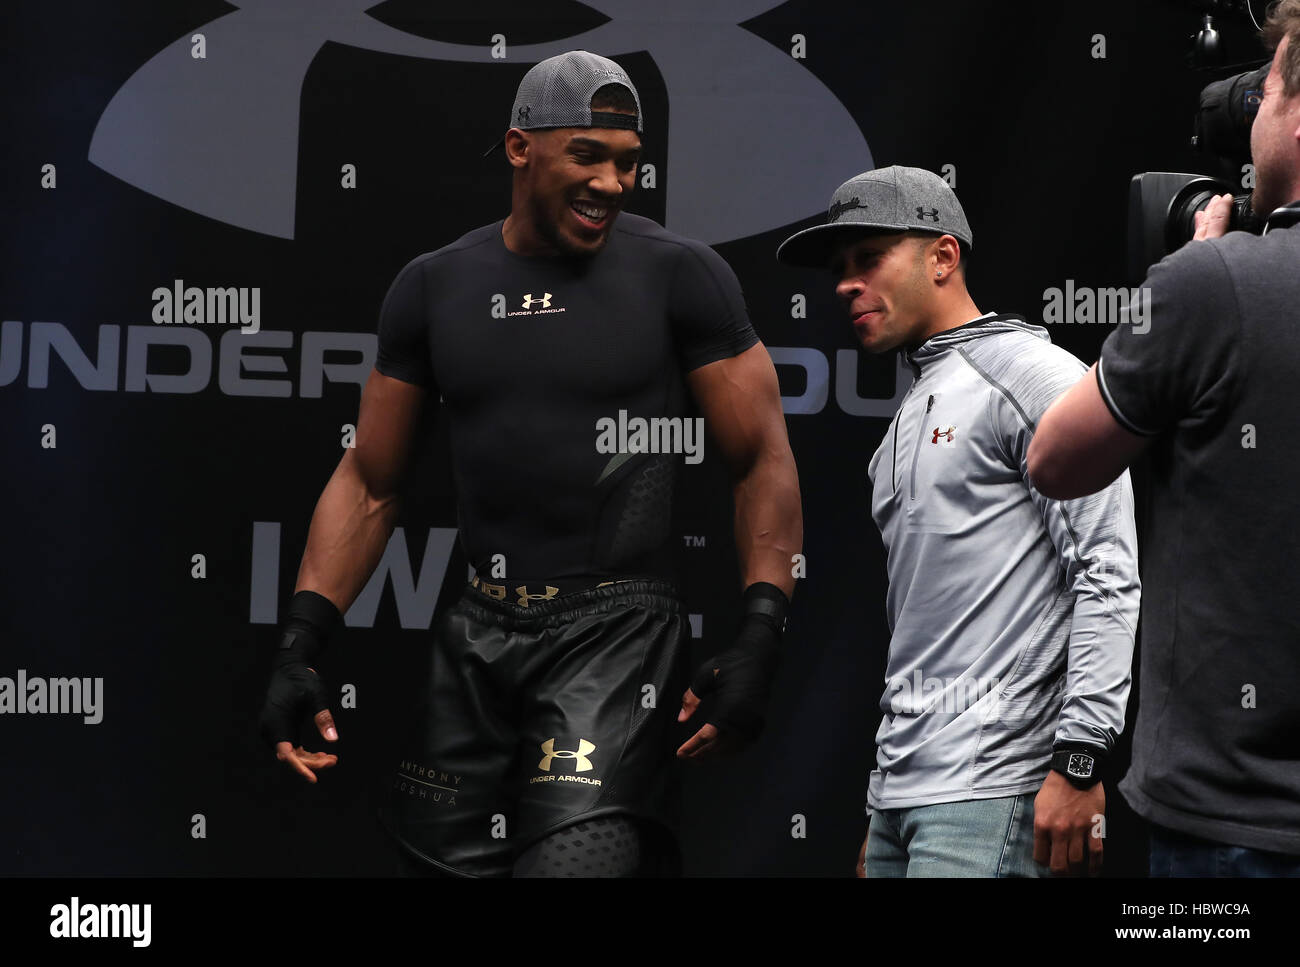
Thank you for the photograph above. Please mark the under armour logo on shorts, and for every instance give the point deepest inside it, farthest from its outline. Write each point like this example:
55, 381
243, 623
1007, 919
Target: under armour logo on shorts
585, 748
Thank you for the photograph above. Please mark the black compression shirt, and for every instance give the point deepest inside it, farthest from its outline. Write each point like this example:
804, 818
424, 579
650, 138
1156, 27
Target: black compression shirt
543, 363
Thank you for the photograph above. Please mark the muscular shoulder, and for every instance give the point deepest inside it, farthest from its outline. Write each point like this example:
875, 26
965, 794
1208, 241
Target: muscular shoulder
704, 301
639, 230
696, 271
655, 240
472, 246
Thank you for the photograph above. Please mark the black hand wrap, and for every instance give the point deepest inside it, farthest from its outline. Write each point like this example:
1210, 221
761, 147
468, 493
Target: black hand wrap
295, 690
744, 676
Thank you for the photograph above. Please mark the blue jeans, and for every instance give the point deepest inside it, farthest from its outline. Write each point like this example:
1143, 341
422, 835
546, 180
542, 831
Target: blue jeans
978, 837
1177, 854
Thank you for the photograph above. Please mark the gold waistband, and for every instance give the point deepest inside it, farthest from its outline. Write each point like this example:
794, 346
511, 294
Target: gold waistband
536, 592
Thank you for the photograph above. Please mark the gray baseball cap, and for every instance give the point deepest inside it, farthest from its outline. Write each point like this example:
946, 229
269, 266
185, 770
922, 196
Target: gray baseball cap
893, 199
556, 93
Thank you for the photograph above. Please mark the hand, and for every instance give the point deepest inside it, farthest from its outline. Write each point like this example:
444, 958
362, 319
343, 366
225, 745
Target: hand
862, 859
1212, 221
306, 763
1066, 821
294, 690
739, 681
709, 740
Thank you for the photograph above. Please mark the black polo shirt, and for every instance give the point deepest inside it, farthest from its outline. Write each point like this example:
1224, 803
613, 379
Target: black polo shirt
1213, 379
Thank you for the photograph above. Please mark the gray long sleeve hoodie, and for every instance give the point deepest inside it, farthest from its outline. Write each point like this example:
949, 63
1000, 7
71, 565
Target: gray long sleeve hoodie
1011, 615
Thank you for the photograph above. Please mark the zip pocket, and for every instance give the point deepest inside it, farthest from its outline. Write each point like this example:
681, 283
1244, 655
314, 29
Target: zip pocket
898, 418
920, 441
893, 466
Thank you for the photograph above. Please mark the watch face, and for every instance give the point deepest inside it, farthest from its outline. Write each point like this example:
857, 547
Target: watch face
1080, 765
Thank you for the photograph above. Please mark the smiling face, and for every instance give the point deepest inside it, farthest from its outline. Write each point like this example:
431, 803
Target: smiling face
882, 281
570, 185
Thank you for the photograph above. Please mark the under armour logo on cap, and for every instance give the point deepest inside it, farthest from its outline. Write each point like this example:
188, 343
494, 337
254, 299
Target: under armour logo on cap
523, 113
892, 199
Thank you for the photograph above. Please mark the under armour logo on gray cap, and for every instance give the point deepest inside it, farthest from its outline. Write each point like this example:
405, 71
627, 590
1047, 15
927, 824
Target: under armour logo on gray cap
893, 199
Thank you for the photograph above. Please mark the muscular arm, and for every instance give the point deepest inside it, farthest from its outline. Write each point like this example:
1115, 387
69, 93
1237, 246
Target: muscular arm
742, 406
355, 514
741, 402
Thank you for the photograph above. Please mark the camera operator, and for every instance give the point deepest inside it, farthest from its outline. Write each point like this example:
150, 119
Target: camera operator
1208, 393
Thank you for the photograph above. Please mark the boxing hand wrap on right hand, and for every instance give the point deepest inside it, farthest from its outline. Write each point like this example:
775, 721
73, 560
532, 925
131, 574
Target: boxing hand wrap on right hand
295, 690
745, 671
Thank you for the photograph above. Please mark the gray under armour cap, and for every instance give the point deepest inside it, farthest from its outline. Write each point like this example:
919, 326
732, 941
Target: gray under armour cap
556, 93
889, 199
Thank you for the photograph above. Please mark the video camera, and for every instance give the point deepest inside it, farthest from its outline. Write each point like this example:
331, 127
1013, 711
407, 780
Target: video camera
1163, 204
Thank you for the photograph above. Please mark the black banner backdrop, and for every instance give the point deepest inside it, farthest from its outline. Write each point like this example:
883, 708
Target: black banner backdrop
304, 152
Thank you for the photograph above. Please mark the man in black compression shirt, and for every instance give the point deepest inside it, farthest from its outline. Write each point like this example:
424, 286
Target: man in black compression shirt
564, 342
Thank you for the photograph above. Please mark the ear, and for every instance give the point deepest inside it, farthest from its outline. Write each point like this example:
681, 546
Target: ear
517, 145
946, 252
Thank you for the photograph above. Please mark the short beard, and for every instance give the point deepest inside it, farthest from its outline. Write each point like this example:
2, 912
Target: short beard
551, 233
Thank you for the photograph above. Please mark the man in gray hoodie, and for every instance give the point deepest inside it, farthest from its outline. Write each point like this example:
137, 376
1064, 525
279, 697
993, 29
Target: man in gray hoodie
1011, 615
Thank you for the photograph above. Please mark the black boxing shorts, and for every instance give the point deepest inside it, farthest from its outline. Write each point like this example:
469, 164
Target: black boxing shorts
539, 716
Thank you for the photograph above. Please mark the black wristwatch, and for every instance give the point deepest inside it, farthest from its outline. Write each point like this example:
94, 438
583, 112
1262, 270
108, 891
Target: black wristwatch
1080, 764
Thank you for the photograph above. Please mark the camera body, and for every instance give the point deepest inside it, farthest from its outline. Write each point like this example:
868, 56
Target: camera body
1163, 204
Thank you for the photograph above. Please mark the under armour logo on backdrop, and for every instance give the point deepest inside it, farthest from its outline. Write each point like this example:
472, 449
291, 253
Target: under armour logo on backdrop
221, 138
545, 301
